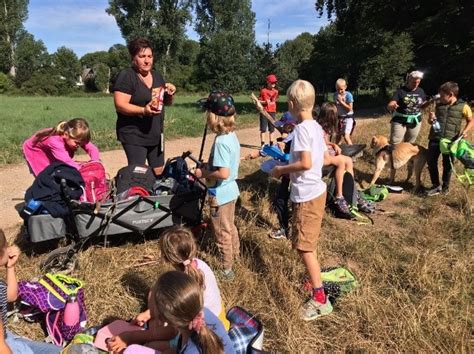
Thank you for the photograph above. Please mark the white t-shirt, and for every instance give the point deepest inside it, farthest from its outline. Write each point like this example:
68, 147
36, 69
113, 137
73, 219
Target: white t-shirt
307, 185
212, 295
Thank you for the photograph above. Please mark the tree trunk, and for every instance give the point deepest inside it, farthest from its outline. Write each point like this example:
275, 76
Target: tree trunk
167, 58
12, 71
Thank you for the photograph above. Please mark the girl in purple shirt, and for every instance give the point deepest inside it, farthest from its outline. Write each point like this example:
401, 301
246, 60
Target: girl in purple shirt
59, 144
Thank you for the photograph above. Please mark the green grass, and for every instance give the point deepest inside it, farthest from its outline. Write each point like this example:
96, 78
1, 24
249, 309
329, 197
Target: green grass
22, 116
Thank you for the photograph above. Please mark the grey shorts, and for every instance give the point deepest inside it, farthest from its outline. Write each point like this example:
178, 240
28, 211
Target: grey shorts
265, 125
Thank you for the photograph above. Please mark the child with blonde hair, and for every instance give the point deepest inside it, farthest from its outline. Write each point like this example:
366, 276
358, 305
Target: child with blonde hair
345, 108
177, 300
59, 144
179, 250
308, 191
221, 173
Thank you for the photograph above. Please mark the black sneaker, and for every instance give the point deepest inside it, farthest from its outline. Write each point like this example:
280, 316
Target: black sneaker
445, 190
433, 191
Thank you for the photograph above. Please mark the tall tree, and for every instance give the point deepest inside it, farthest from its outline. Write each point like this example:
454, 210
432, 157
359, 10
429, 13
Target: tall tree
12, 15
163, 22
227, 37
31, 55
67, 64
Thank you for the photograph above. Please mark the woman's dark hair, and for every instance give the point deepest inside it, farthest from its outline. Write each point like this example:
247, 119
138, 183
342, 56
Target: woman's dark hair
137, 45
328, 117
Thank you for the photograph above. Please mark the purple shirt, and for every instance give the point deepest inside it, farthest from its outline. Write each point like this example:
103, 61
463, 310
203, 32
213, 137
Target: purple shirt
51, 149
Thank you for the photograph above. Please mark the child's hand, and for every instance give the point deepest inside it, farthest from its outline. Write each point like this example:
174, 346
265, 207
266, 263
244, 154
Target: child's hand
142, 318
256, 102
432, 117
276, 172
170, 88
13, 253
115, 344
198, 172
337, 149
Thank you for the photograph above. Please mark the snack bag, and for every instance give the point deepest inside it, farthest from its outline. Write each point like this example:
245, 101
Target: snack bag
157, 96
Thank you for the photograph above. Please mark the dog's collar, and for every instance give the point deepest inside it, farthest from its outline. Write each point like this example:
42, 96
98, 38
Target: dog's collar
388, 148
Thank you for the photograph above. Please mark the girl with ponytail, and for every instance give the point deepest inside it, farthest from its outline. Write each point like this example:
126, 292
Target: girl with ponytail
178, 249
59, 144
177, 301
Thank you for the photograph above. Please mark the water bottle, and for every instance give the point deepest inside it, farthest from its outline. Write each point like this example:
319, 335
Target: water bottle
436, 126
71, 311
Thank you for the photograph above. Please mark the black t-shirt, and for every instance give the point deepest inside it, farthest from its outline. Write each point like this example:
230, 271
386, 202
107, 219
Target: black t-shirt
409, 102
138, 130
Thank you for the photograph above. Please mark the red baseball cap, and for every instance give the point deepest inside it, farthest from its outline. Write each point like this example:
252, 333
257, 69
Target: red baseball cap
272, 78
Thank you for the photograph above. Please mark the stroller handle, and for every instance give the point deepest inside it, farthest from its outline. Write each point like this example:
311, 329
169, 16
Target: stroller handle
188, 154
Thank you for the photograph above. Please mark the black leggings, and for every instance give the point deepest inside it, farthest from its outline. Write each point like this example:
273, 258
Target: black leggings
433, 155
280, 204
138, 155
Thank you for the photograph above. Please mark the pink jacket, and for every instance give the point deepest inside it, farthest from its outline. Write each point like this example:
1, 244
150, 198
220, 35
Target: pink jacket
52, 149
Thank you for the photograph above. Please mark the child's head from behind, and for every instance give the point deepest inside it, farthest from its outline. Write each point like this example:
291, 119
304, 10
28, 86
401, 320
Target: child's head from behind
328, 117
3, 249
301, 97
75, 132
179, 302
341, 86
448, 92
178, 248
220, 113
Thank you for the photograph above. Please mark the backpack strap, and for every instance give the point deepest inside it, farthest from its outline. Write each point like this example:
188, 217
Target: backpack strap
52, 327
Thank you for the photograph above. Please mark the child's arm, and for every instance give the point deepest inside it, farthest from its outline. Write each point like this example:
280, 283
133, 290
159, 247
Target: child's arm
59, 152
92, 151
153, 334
12, 284
3, 345
467, 113
304, 163
219, 173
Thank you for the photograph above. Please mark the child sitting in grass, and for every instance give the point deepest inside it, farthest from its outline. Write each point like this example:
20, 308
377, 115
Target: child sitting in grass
59, 144
177, 300
178, 248
12, 343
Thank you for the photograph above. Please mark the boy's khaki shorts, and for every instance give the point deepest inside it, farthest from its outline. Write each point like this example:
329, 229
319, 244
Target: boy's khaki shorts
307, 218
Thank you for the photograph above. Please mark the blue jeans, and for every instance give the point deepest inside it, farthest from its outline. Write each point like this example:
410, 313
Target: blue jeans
21, 345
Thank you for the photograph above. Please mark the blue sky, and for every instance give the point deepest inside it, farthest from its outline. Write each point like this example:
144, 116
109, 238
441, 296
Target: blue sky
83, 25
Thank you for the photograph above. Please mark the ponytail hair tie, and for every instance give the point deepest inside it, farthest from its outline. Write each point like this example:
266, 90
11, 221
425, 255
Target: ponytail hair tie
186, 262
197, 323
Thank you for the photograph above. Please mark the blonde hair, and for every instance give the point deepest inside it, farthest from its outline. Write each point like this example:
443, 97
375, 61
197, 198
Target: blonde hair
302, 94
220, 124
179, 249
341, 83
178, 300
76, 128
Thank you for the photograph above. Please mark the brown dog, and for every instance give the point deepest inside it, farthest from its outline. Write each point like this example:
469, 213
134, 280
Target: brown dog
397, 156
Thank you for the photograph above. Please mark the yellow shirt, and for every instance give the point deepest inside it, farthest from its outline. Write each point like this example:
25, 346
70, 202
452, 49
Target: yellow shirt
466, 112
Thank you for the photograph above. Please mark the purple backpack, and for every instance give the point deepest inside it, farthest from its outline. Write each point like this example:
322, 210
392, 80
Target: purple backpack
49, 295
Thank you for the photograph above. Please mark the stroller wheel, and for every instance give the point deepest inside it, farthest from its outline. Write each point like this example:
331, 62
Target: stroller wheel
61, 260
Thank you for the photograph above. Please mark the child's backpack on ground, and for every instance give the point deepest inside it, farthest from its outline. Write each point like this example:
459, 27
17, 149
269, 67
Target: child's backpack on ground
96, 187
177, 168
49, 295
135, 176
375, 193
246, 331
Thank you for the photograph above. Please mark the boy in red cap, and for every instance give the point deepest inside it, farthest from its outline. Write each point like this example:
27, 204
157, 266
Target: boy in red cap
268, 98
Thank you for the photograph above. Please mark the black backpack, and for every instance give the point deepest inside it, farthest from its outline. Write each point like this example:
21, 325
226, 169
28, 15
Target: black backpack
349, 192
135, 176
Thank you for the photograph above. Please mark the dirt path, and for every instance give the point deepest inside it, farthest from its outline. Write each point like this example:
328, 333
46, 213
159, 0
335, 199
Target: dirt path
15, 179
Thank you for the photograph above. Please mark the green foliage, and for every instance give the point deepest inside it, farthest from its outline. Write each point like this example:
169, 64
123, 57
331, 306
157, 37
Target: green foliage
182, 69
31, 55
12, 15
227, 43
45, 82
6, 84
118, 59
291, 56
90, 59
67, 64
265, 63
101, 77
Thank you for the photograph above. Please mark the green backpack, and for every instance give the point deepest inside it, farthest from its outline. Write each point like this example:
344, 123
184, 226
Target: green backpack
375, 193
464, 152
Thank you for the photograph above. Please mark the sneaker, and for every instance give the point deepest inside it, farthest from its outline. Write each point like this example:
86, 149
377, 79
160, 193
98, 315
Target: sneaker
226, 274
433, 191
277, 234
365, 206
445, 190
343, 207
313, 309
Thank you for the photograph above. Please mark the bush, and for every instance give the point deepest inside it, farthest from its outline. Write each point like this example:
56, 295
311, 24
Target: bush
6, 84
45, 83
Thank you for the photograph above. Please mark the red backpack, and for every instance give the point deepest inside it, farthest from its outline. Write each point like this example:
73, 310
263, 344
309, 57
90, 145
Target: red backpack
96, 186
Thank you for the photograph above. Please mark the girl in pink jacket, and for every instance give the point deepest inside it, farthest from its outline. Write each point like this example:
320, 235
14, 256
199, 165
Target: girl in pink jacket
59, 144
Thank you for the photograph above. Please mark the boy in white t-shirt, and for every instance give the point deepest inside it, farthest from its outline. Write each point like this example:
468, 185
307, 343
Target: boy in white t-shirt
308, 191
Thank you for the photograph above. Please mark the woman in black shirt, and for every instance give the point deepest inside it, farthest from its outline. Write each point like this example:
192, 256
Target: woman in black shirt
139, 94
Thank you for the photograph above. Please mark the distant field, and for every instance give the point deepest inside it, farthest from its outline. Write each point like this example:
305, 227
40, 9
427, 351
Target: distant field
22, 116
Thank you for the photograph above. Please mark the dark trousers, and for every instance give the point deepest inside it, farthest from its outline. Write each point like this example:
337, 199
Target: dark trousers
280, 204
433, 155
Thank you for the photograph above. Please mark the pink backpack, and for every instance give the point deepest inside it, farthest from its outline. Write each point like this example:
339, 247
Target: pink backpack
96, 186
